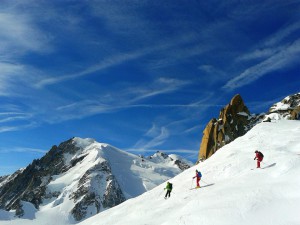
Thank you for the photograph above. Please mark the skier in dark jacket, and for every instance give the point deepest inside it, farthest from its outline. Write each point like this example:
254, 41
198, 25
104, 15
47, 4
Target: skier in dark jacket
169, 188
198, 176
259, 157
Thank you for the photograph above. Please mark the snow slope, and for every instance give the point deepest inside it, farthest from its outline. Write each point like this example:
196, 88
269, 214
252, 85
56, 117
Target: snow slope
233, 191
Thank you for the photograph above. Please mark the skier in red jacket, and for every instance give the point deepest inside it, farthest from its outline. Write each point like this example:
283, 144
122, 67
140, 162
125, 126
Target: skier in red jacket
259, 157
198, 176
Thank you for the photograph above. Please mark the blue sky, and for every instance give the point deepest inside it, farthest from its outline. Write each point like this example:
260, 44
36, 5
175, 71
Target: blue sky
140, 75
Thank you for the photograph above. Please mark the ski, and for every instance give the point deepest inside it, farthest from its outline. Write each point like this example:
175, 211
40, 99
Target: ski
194, 188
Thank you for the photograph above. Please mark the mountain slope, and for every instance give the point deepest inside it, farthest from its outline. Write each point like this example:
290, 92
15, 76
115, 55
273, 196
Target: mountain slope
235, 120
81, 178
233, 193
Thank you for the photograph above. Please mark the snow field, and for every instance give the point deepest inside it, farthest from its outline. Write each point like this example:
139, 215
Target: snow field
233, 193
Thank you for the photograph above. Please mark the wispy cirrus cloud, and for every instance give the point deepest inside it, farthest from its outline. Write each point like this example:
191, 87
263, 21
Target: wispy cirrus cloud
15, 76
279, 51
285, 58
22, 149
17, 127
173, 151
130, 97
116, 59
282, 34
272, 45
155, 141
19, 35
13, 116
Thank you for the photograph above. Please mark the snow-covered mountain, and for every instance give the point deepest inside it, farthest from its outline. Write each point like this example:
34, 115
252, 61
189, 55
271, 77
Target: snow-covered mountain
81, 178
233, 191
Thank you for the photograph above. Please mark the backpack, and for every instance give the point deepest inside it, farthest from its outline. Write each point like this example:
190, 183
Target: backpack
199, 174
171, 186
261, 155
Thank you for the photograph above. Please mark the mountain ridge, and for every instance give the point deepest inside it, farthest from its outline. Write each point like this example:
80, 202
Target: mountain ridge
84, 177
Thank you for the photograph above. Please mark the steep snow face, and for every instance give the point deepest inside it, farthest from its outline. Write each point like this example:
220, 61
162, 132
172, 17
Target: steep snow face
94, 178
233, 191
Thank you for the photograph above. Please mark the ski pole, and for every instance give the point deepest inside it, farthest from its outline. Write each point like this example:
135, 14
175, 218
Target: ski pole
204, 181
192, 182
265, 163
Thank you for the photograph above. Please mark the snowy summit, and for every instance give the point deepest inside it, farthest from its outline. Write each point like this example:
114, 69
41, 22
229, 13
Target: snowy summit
80, 178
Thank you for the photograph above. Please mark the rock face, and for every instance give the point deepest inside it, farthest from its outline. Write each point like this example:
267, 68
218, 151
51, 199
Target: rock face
288, 108
233, 122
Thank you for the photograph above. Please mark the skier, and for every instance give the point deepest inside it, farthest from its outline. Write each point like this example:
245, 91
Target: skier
259, 157
169, 188
198, 176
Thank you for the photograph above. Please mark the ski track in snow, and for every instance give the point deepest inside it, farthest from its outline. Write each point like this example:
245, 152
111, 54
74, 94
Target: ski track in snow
231, 193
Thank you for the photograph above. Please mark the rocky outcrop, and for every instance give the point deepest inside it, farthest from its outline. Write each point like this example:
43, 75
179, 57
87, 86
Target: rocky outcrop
233, 122
29, 185
88, 196
288, 108
163, 157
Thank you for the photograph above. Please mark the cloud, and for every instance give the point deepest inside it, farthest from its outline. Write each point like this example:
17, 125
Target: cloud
126, 98
156, 141
153, 131
117, 59
158, 87
12, 76
10, 117
259, 54
178, 151
27, 125
282, 34
192, 129
105, 64
285, 58
17, 80
19, 35
271, 45
21, 150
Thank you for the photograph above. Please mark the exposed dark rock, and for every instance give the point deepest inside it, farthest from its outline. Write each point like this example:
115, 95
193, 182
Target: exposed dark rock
30, 184
113, 195
181, 165
99, 175
288, 108
233, 122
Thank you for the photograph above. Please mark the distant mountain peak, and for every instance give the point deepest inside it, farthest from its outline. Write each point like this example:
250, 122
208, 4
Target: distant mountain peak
84, 177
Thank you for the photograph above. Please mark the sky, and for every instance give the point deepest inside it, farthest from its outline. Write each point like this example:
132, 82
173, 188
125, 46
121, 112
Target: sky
139, 75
